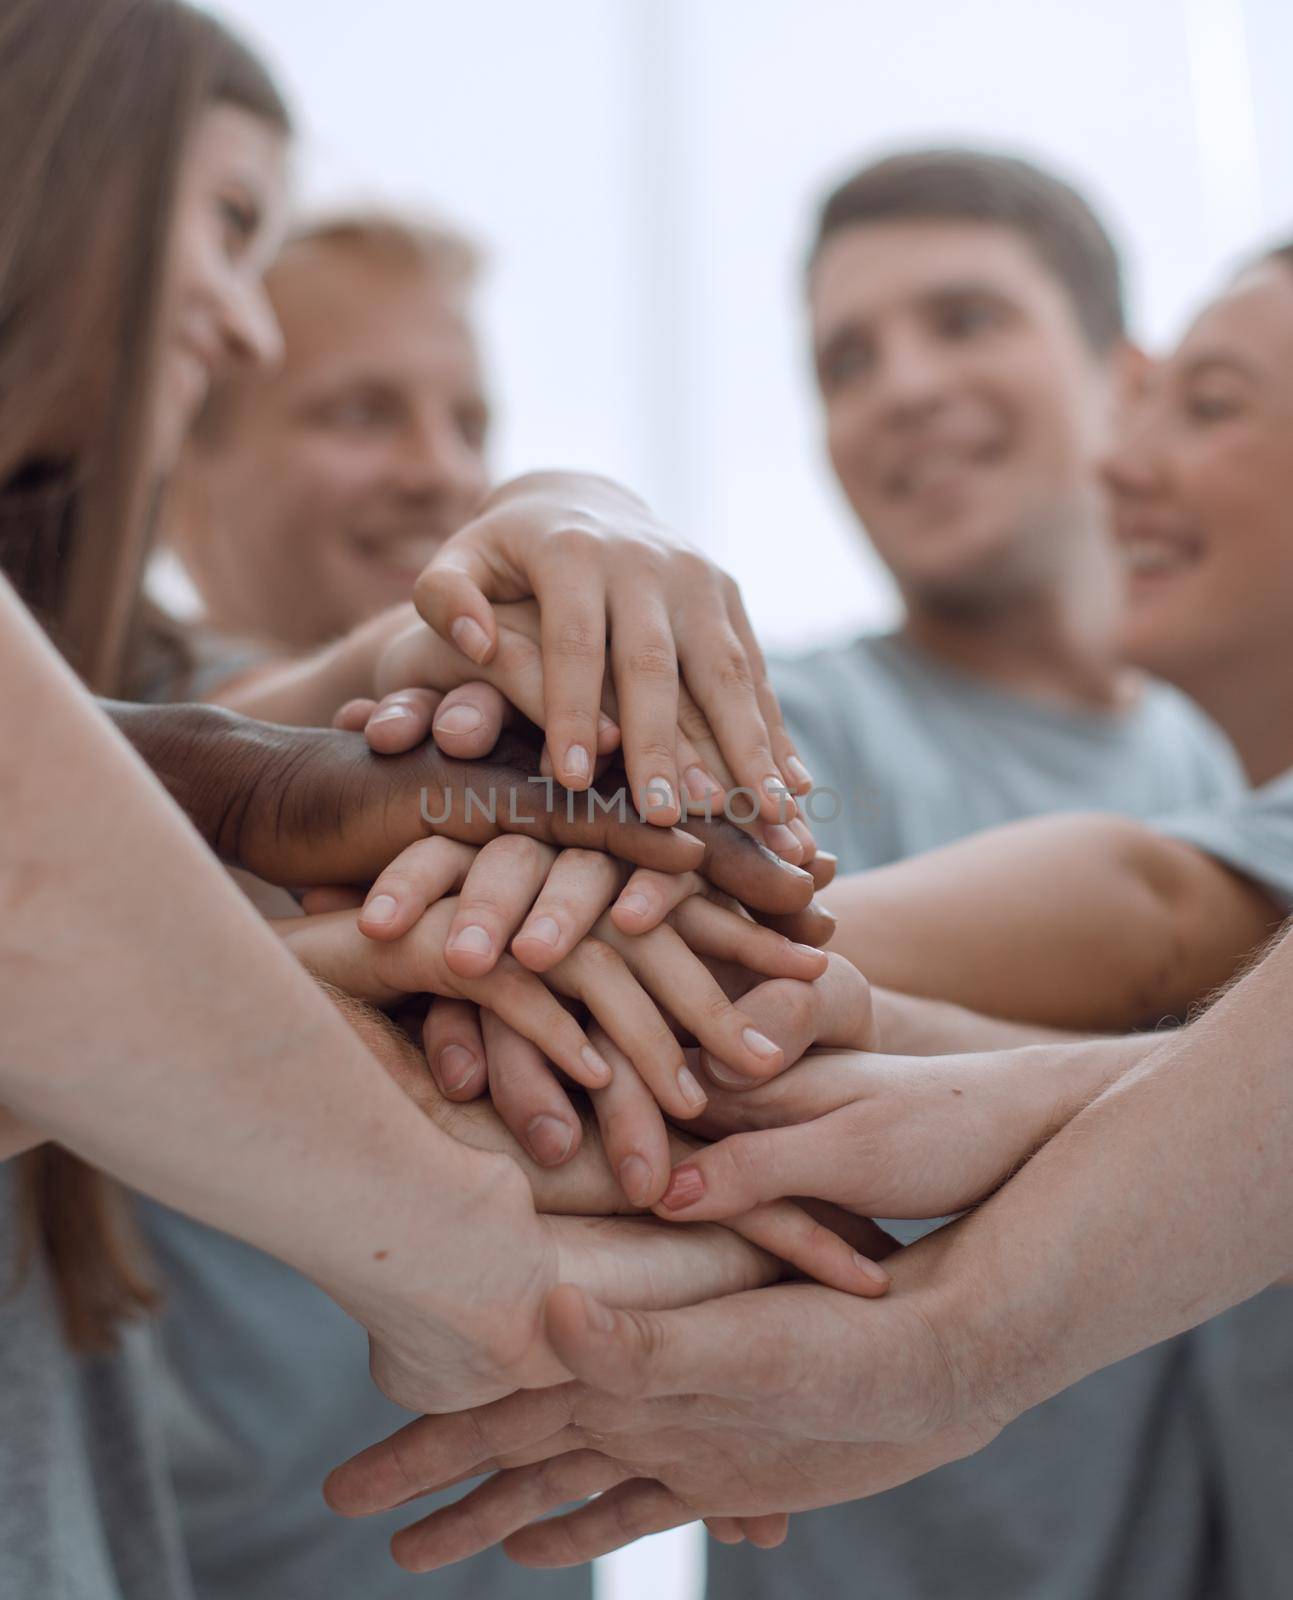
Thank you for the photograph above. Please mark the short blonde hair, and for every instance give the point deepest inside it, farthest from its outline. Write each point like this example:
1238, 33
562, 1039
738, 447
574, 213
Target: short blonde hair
402, 241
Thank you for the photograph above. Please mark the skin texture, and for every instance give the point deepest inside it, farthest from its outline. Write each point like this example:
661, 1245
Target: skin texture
348, 466
965, 413
308, 806
1134, 927
229, 217
1070, 1266
1202, 486
436, 1250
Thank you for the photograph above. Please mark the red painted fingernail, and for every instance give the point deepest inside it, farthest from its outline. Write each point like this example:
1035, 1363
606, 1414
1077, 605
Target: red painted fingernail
686, 1186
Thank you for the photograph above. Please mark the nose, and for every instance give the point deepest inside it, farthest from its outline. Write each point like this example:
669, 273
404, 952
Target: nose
251, 329
912, 376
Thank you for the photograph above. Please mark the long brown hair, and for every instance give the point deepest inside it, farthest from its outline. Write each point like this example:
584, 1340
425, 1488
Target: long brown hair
98, 100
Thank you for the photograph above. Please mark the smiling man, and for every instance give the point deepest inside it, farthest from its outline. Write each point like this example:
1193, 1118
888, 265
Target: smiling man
312, 498
970, 347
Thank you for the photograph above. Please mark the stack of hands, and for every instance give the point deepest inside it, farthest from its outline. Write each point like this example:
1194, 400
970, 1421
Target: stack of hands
627, 1005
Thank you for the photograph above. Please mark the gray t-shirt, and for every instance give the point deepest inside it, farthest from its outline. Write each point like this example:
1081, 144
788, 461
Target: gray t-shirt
1252, 832
265, 1387
1101, 1493
86, 1507
907, 754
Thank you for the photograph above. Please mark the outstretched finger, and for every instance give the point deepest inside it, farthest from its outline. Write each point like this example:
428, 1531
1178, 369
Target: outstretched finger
749, 1169
629, 1511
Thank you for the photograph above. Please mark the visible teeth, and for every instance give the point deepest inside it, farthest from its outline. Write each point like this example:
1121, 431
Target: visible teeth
1154, 555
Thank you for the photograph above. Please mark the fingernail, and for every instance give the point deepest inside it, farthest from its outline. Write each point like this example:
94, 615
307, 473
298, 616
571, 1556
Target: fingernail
395, 713
776, 788
459, 719
549, 1139
599, 1068
599, 1319
659, 795
637, 903
577, 762
470, 638
870, 1270
798, 771
472, 940
807, 950
686, 1186
544, 929
779, 838
690, 1090
381, 909
727, 1076
759, 1044
605, 725
789, 866
457, 1064
635, 1179
700, 786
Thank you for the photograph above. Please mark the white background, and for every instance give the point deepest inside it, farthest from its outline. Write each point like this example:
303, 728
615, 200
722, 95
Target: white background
643, 174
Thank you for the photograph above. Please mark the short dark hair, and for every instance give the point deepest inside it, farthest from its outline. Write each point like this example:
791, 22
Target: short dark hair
961, 185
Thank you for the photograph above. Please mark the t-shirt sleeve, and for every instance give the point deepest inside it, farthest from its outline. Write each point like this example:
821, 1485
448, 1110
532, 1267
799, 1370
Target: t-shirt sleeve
1251, 833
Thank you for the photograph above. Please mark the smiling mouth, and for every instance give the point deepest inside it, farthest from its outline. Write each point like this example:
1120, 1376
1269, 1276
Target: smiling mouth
1151, 557
939, 467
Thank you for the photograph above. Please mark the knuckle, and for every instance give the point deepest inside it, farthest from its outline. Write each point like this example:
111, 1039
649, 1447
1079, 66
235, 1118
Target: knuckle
578, 639
732, 667
595, 959
654, 660
693, 722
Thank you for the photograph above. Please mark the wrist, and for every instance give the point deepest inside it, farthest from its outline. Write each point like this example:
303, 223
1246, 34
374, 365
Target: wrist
210, 760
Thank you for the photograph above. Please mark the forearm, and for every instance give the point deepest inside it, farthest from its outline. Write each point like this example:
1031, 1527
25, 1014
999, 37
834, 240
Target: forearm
1166, 1201
153, 1025
1083, 922
307, 691
913, 1025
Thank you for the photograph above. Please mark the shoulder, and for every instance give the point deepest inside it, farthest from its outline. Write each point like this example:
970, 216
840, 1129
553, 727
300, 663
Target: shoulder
1180, 728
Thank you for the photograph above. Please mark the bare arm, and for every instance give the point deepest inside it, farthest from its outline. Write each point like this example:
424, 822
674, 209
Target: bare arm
1076, 921
305, 691
913, 1025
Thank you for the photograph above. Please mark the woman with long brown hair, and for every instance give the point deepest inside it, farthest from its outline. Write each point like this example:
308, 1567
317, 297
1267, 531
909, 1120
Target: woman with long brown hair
142, 181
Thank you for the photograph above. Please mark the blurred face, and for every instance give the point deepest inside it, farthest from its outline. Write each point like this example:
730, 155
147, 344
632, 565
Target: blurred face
228, 224
965, 410
1203, 489
327, 486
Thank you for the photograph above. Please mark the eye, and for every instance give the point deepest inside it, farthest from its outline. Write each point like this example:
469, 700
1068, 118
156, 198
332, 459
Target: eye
239, 221
845, 363
1205, 407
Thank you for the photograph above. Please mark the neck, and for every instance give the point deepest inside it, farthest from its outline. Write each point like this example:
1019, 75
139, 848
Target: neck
1056, 643
1251, 698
